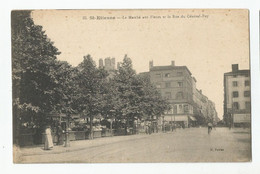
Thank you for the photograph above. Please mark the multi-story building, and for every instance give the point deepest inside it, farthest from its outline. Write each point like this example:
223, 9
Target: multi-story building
237, 101
212, 115
204, 110
178, 86
199, 102
175, 84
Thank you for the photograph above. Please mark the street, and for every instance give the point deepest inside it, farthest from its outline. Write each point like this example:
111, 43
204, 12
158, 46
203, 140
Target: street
182, 145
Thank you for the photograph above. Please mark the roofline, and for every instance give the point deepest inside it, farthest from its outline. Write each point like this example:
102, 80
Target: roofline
245, 71
170, 68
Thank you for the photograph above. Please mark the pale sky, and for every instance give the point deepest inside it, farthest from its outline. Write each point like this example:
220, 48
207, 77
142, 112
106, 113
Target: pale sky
206, 41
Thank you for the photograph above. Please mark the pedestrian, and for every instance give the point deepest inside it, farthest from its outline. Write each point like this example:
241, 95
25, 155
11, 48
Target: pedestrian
183, 125
229, 125
209, 128
149, 129
214, 126
174, 126
48, 145
59, 133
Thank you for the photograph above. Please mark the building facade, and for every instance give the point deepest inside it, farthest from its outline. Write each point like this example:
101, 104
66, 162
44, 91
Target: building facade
189, 106
175, 84
237, 97
204, 110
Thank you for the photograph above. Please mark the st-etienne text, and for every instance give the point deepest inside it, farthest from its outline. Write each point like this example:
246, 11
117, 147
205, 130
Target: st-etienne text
144, 17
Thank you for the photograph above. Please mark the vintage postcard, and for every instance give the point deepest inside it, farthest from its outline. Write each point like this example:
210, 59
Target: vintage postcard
131, 86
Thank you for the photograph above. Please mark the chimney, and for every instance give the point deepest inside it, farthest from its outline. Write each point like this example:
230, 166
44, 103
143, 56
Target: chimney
107, 62
101, 63
234, 67
113, 63
173, 63
150, 64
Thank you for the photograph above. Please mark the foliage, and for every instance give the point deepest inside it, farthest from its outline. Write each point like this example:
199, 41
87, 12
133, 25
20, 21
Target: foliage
43, 85
137, 97
65, 76
152, 103
91, 88
124, 80
33, 65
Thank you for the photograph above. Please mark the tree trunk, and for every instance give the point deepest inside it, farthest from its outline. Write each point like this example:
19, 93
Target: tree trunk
137, 127
91, 128
134, 127
16, 129
111, 130
126, 125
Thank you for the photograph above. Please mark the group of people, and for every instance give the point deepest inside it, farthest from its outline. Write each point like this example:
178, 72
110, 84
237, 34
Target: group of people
48, 144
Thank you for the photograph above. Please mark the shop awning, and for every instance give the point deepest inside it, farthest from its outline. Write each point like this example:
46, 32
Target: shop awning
176, 118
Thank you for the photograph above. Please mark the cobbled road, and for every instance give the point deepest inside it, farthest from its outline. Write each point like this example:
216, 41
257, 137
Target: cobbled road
182, 145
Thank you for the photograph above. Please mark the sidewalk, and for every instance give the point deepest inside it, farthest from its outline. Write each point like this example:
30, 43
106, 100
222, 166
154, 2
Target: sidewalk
79, 145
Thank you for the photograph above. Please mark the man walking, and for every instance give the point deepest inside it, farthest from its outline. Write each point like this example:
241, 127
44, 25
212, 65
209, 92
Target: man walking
209, 128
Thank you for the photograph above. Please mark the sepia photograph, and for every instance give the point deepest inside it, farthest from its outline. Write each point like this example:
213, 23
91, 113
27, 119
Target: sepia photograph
131, 86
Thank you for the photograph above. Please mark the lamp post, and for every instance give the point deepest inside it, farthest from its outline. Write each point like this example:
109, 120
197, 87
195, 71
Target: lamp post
112, 120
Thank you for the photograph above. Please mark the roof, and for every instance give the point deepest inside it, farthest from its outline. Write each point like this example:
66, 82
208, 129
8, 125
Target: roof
238, 72
169, 67
144, 73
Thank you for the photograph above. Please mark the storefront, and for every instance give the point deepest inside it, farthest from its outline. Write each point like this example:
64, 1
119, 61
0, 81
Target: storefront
180, 120
242, 120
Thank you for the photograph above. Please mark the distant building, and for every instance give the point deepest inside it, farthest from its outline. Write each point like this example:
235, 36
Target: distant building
109, 65
237, 99
203, 109
212, 113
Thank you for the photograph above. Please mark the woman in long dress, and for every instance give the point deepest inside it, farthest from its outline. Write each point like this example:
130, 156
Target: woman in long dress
48, 139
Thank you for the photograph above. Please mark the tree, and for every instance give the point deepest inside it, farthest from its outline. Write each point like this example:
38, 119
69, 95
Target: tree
91, 89
110, 102
137, 97
66, 88
33, 60
124, 78
151, 104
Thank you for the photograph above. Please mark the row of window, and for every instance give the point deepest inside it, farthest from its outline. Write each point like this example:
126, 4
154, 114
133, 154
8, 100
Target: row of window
168, 95
246, 83
246, 75
235, 94
236, 105
181, 108
167, 75
168, 84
